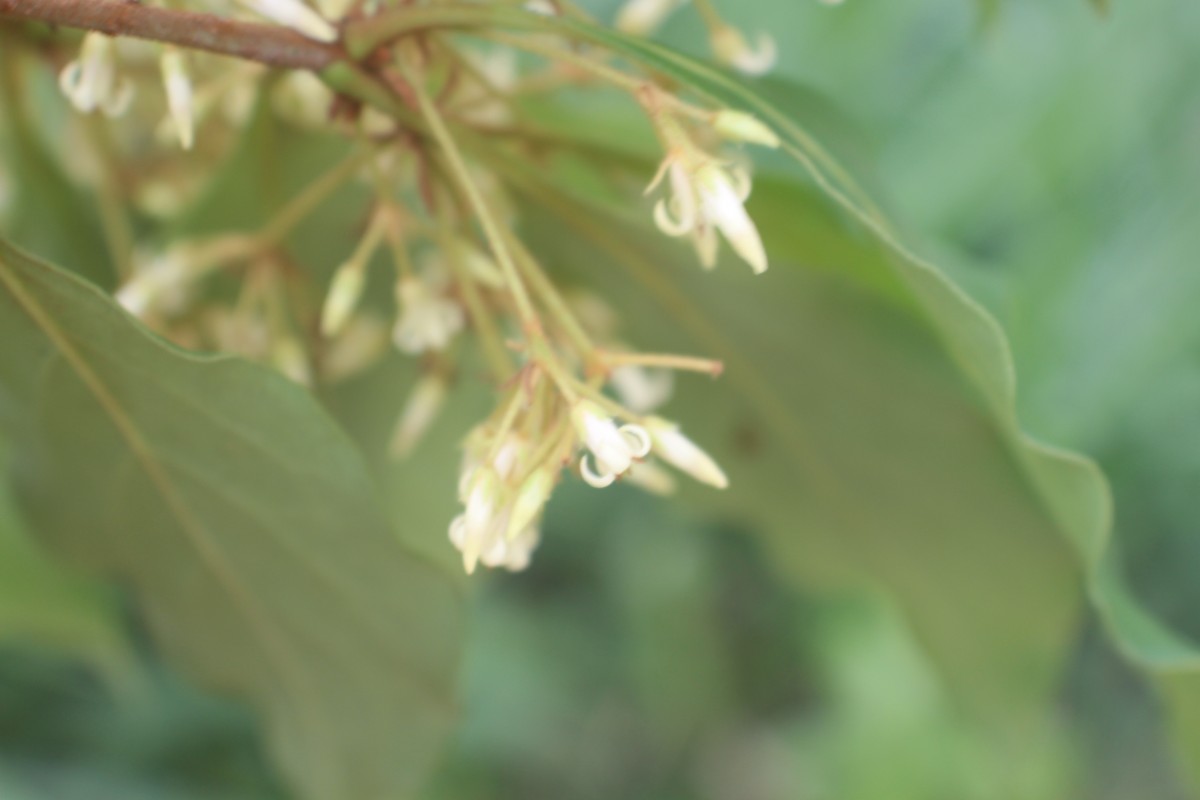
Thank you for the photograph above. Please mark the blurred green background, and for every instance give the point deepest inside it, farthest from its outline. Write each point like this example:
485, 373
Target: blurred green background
1048, 158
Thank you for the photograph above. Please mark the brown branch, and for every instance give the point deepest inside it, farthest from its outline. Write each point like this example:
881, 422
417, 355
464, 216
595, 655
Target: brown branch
267, 44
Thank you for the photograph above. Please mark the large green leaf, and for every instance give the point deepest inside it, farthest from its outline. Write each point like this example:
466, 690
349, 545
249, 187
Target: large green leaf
244, 522
850, 439
1071, 488
45, 605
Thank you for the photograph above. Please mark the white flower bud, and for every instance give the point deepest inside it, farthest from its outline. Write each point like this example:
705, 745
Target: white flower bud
426, 400
682, 453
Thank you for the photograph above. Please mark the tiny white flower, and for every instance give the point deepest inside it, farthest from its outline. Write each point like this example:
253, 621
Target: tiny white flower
613, 448
682, 453
427, 320
90, 82
178, 85
644, 17
295, 14
730, 47
642, 390
722, 194
707, 197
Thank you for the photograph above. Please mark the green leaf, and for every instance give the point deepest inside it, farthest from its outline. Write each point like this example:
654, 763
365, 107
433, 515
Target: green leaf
1068, 486
246, 524
851, 441
43, 604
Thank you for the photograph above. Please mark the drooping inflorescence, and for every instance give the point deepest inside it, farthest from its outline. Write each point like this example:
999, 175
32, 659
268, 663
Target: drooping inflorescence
440, 161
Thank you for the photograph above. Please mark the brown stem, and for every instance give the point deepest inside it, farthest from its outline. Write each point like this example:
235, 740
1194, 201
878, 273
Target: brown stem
267, 44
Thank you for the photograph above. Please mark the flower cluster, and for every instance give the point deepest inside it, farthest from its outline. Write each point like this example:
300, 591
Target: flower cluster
513, 462
436, 168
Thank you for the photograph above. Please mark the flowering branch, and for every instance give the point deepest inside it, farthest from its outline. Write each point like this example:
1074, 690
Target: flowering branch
272, 45
442, 209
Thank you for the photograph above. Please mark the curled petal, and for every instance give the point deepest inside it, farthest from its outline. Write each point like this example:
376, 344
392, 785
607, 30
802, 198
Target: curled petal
70, 80
593, 478
668, 225
602, 437
638, 439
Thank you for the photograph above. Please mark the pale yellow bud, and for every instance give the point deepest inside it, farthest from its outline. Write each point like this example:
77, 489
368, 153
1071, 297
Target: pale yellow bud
738, 126
345, 290
418, 415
